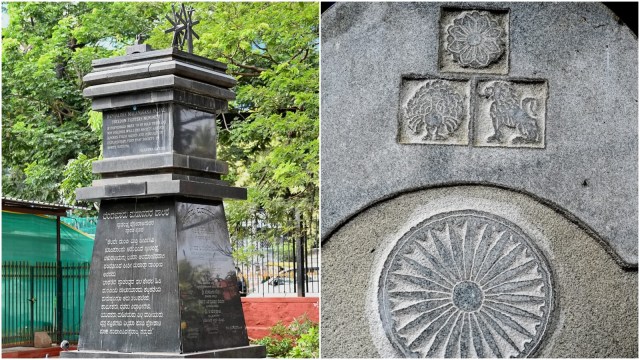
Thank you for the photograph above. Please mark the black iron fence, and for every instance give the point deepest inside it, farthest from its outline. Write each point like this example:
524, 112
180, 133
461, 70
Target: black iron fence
30, 301
279, 268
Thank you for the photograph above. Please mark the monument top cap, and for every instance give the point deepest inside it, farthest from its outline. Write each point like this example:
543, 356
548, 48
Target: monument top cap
150, 54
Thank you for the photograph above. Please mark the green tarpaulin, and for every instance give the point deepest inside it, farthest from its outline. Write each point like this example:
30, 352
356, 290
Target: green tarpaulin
29, 300
32, 238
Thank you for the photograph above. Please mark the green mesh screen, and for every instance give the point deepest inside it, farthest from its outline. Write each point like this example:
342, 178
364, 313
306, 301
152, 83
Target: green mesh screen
32, 238
84, 224
29, 272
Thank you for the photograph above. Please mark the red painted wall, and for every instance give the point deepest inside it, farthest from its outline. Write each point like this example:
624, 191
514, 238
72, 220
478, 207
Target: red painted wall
262, 313
30, 353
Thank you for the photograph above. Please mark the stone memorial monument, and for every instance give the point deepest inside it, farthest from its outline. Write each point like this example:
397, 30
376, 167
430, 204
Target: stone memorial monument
479, 181
162, 282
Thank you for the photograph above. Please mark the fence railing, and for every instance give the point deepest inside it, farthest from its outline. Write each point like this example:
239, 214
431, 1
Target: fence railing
273, 269
29, 300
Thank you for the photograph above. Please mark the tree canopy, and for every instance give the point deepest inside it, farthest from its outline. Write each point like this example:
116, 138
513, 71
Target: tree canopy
269, 136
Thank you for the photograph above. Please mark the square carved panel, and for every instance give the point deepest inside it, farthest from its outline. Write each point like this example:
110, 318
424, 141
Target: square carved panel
474, 41
433, 111
510, 113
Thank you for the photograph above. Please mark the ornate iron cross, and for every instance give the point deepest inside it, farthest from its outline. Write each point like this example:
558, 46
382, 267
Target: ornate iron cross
182, 27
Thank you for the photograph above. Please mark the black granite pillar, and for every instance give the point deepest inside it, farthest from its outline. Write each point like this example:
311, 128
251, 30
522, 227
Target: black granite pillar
162, 281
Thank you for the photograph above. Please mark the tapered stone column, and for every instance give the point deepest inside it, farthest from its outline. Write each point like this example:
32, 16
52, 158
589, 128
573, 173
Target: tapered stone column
163, 282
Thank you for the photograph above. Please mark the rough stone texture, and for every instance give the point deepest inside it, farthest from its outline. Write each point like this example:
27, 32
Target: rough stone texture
595, 306
41, 339
582, 160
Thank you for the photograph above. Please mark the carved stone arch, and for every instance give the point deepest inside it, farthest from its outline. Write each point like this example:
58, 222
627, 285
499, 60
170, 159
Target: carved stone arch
546, 202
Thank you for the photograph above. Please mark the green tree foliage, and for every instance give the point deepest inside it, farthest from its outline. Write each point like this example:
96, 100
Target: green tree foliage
47, 49
269, 137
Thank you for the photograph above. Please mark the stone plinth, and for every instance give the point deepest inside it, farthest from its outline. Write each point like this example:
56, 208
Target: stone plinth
237, 353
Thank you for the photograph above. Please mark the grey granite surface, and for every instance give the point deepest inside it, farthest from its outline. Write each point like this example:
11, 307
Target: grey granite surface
564, 295
571, 70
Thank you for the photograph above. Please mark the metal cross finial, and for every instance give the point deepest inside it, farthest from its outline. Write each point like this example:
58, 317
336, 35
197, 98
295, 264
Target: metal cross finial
140, 38
182, 27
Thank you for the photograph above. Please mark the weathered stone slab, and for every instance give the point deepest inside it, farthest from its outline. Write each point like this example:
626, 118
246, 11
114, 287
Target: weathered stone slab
158, 82
113, 166
156, 178
41, 339
479, 181
562, 81
151, 189
156, 56
152, 69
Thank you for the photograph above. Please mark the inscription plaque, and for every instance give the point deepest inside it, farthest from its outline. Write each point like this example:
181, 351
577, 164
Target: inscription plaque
132, 301
211, 316
136, 131
162, 268
465, 284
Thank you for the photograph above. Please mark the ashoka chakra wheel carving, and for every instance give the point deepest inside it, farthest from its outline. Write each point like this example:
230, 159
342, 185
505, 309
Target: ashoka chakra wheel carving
465, 284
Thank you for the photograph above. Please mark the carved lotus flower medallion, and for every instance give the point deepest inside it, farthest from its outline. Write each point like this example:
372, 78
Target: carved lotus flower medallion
475, 40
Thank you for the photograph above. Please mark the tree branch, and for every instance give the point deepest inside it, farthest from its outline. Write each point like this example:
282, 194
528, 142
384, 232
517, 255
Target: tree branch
244, 66
267, 56
247, 74
298, 54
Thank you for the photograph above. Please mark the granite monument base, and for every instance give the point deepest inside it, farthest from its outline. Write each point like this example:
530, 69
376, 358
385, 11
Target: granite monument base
163, 283
243, 352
